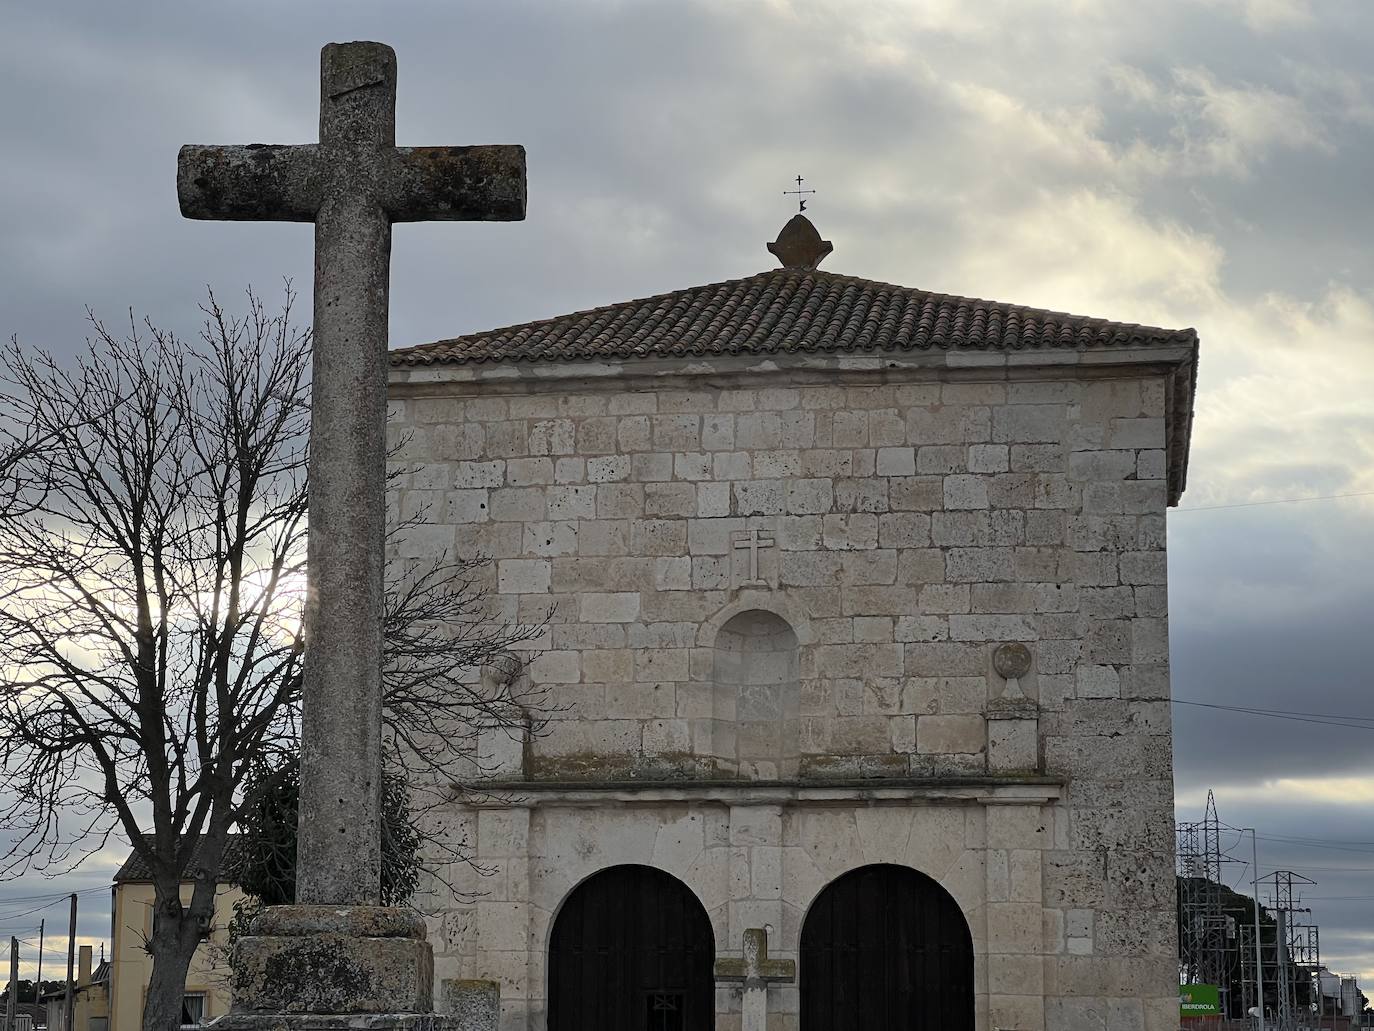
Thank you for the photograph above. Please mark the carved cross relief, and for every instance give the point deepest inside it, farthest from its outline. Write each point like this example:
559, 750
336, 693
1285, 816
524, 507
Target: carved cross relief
751, 565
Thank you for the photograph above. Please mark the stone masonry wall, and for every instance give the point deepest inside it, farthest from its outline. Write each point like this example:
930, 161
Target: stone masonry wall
901, 526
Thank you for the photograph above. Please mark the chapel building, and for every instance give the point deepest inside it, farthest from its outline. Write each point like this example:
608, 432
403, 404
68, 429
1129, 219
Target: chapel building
858, 643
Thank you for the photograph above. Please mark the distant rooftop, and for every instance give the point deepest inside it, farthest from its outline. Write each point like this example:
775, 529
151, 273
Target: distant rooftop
136, 869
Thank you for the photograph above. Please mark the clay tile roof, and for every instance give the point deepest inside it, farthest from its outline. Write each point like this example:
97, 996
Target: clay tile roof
136, 869
789, 311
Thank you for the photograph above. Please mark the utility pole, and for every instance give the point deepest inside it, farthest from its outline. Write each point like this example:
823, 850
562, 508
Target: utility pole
38, 981
13, 1005
71, 964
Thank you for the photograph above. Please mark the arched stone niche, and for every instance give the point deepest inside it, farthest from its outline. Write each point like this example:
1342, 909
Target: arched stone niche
756, 697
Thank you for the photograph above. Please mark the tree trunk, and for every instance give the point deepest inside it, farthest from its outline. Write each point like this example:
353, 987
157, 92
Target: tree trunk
175, 936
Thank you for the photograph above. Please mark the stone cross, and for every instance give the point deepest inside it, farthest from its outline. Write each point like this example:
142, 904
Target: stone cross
353, 185
753, 540
756, 971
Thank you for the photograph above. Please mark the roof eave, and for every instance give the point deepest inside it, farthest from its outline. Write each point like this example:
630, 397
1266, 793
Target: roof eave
1179, 399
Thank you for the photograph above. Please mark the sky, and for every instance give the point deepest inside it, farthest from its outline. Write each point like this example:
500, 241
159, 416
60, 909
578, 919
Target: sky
1195, 163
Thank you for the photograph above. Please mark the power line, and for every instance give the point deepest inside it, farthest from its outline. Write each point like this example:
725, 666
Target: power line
57, 895
1277, 501
1326, 719
48, 905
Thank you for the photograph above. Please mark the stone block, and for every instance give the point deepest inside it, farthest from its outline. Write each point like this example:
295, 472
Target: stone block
620, 607
798, 429
713, 499
760, 497
552, 437
921, 628
651, 467
1144, 568
944, 598
550, 539
525, 472
1029, 423
1101, 465
718, 432
732, 465
518, 504
473, 1005
849, 531
758, 430
904, 530
571, 502
692, 465
652, 537
480, 474
673, 574
608, 468
965, 492
466, 506
896, 461
619, 501
508, 438
807, 497
988, 458
980, 564
670, 499
772, 465
1013, 745
1150, 465
556, 666
710, 572
1136, 433
865, 494
523, 576
952, 734
951, 424
991, 628
942, 459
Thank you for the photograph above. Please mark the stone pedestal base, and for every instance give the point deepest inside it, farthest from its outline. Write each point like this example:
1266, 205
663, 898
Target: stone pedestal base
346, 968
322, 959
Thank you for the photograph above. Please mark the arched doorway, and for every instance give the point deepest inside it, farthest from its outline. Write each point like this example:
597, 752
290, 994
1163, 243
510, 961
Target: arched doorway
886, 947
631, 950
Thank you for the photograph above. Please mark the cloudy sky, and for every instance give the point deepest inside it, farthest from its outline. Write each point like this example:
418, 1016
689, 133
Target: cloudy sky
1183, 162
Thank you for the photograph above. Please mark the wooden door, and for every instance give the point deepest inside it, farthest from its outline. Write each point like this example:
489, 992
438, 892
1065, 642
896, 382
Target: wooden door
885, 948
631, 950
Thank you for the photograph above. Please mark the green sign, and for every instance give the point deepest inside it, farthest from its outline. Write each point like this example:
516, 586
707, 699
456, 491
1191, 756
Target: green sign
1199, 1000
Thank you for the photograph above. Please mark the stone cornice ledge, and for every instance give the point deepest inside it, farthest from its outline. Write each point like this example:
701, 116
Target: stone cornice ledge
929, 791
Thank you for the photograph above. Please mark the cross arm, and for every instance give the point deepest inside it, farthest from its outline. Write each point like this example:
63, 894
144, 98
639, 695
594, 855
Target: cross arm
456, 183
258, 182
755, 967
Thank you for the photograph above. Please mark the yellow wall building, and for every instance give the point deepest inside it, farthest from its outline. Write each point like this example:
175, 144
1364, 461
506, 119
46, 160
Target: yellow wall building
90, 997
207, 980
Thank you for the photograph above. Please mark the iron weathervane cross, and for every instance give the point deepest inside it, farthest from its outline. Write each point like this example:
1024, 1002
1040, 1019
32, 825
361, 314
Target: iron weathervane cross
800, 194
353, 185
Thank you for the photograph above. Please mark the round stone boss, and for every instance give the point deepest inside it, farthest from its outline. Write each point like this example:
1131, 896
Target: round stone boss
1012, 661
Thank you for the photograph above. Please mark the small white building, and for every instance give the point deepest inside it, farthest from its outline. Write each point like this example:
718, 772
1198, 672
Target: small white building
858, 629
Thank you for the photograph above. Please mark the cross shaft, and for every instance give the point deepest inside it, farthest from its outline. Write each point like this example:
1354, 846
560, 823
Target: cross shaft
353, 185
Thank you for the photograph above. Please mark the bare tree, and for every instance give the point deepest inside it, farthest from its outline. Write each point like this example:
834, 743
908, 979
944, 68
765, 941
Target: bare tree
152, 576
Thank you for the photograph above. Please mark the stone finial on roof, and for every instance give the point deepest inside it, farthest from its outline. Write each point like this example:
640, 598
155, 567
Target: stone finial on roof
799, 245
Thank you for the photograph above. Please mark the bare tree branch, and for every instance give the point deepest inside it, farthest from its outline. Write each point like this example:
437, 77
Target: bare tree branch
152, 580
